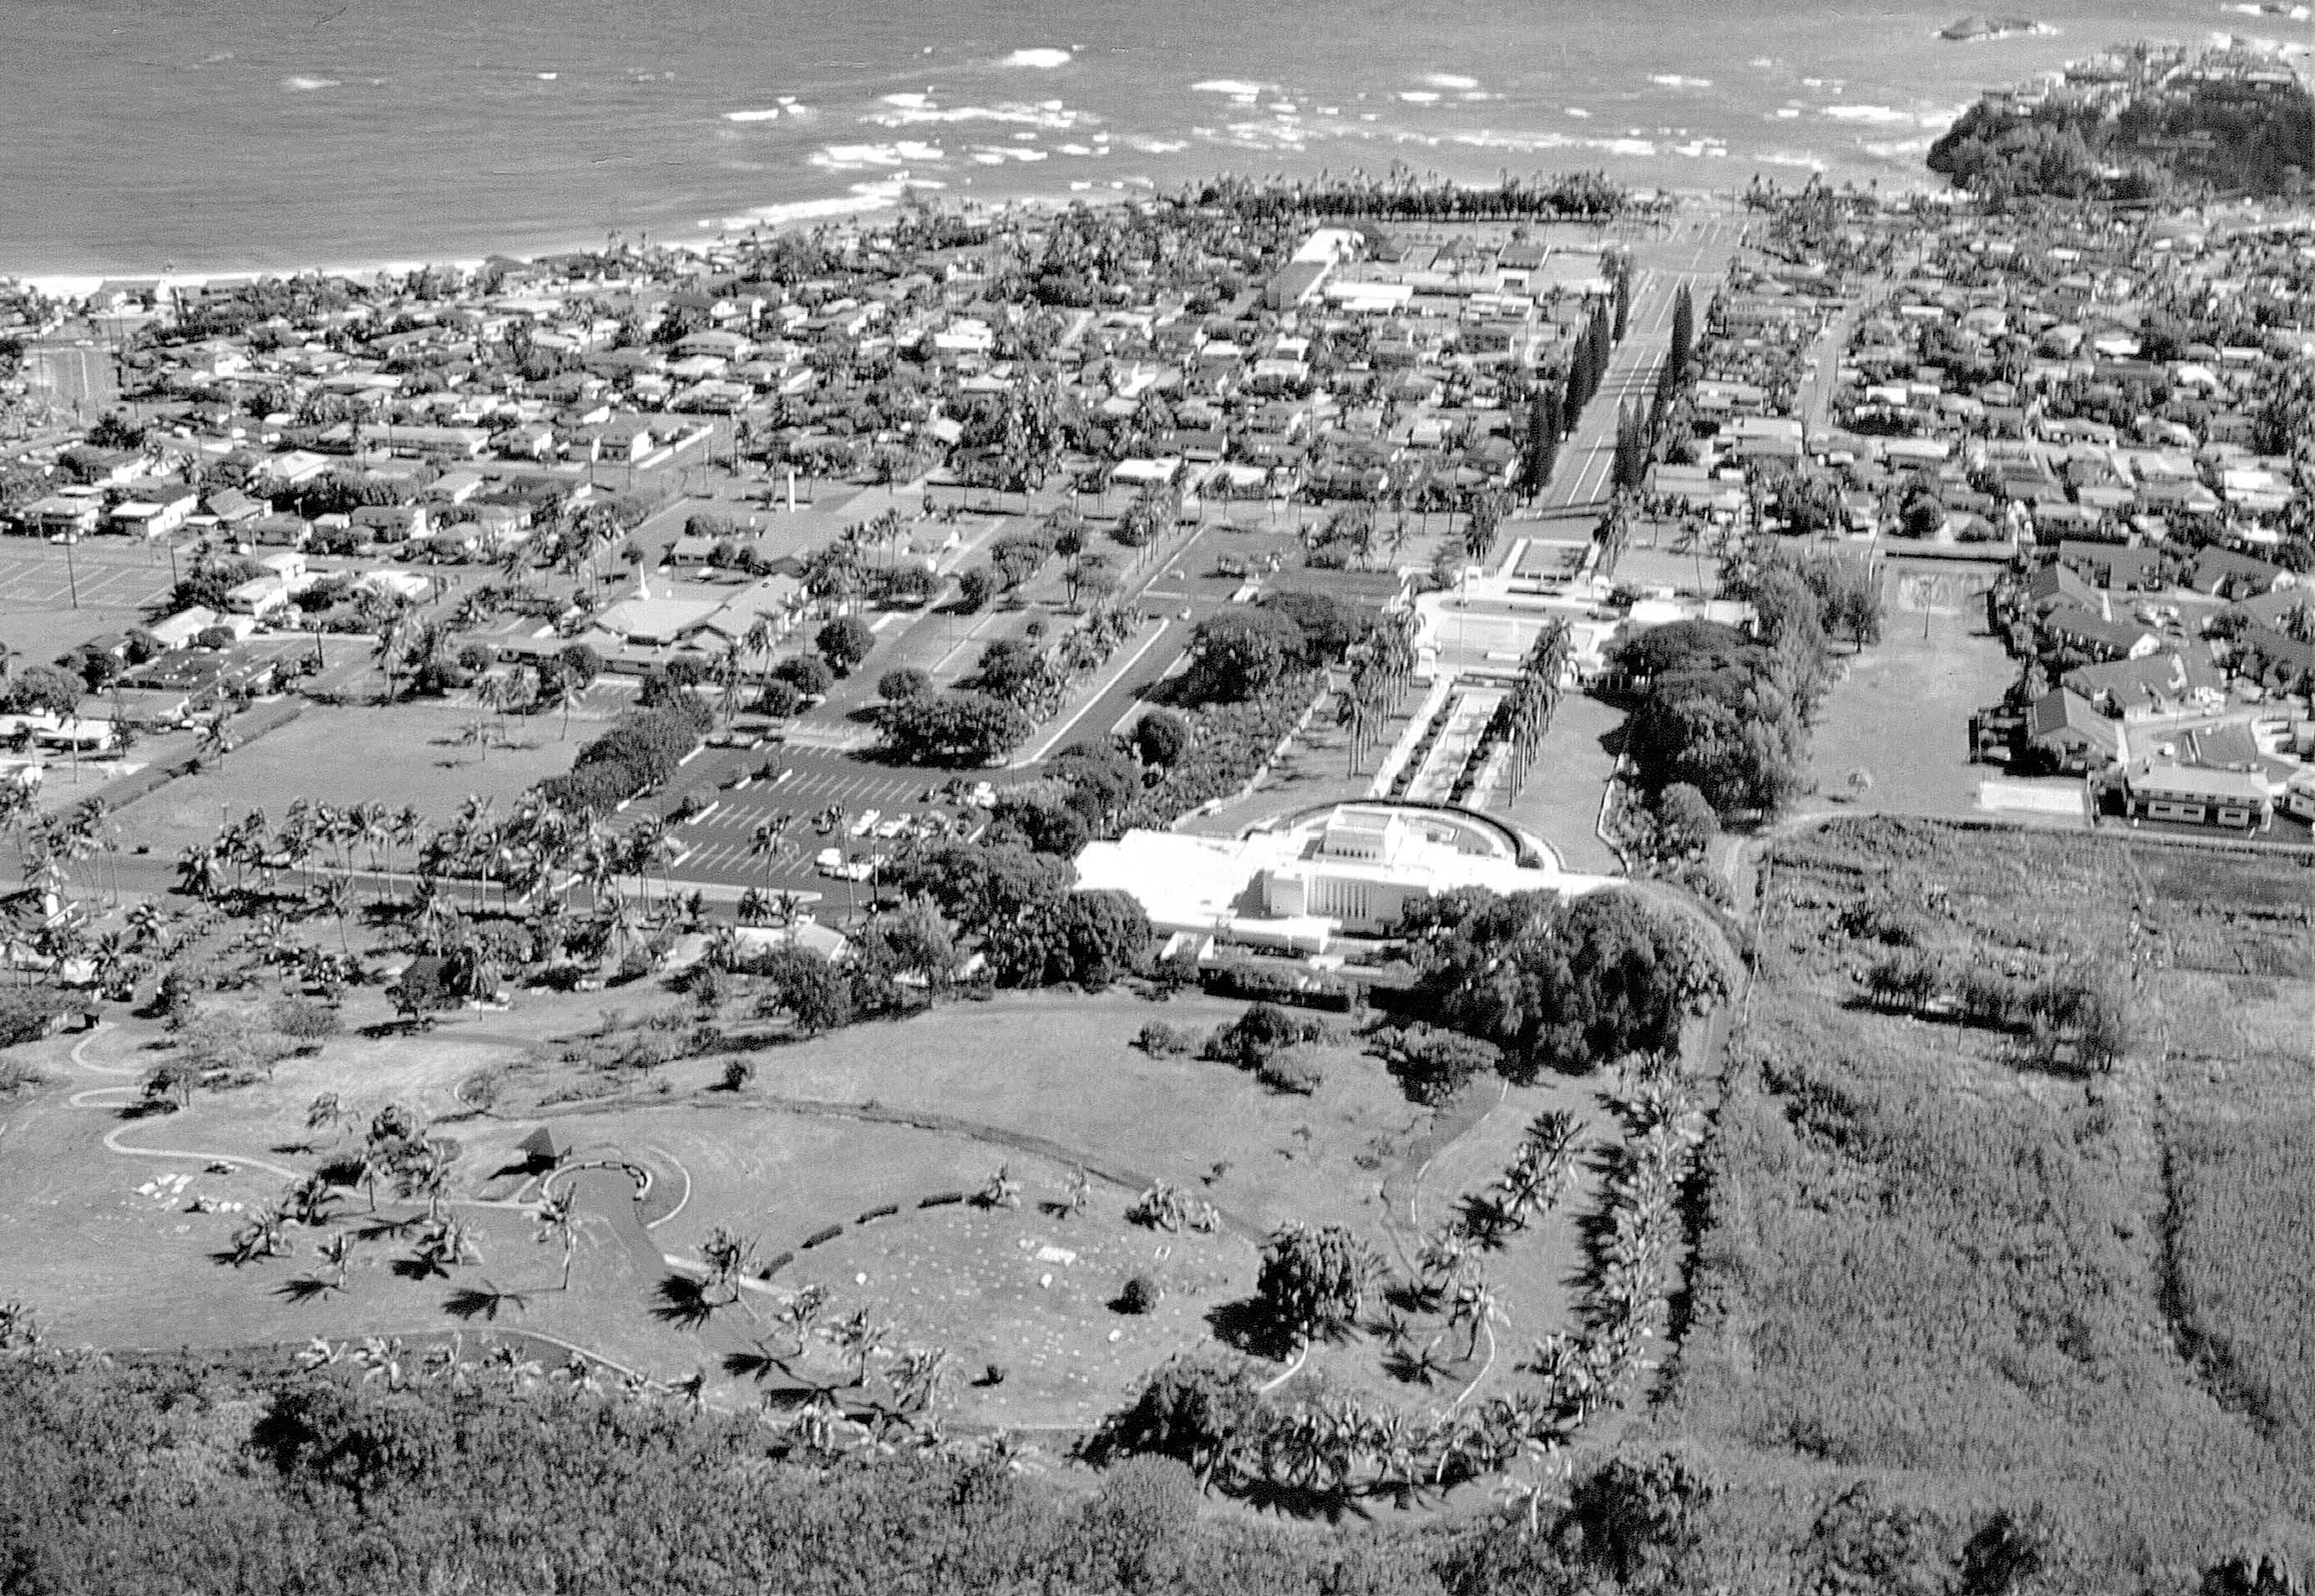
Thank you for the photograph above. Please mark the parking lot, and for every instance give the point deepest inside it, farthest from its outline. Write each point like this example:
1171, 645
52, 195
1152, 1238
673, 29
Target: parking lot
718, 847
35, 575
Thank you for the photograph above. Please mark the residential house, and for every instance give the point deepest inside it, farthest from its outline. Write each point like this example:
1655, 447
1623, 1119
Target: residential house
2066, 729
2236, 800
2223, 572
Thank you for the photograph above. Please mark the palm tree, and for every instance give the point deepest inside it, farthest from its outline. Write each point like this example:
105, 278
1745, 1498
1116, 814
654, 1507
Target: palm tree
557, 1220
863, 1337
426, 1173
262, 1236
801, 1309
918, 1378
326, 1111
335, 896
148, 927
337, 1250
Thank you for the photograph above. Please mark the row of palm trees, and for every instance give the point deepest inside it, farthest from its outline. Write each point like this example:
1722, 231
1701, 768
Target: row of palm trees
1334, 1447
1524, 716
1380, 670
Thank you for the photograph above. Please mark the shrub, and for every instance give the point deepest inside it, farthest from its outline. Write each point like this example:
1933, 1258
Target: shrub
1162, 1041
1263, 1031
906, 682
844, 643
592, 788
651, 743
1433, 1065
737, 1074
1160, 738
303, 1018
1140, 1295
27, 1013
1296, 1071
807, 674
778, 699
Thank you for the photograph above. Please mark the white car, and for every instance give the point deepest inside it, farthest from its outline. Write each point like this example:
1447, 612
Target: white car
984, 796
829, 861
867, 823
892, 828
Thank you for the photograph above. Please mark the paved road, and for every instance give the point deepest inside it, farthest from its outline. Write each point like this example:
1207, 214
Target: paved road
1696, 254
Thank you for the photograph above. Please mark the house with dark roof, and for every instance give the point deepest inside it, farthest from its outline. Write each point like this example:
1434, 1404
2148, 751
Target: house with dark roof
2157, 683
2227, 574
2066, 729
2276, 660
2059, 587
2087, 632
2116, 565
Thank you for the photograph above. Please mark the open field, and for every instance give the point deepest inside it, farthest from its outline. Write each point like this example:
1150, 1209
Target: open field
1902, 711
1985, 1283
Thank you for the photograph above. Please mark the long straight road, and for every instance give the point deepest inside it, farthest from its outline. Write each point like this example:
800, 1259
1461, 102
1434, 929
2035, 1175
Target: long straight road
1696, 254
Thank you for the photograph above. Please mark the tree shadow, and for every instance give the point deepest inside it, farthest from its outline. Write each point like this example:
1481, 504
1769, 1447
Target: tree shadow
682, 1300
1308, 1502
1246, 1326
484, 1301
306, 1288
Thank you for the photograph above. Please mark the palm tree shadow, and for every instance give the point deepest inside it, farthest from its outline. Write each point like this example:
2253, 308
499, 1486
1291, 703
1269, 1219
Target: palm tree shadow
483, 1301
682, 1301
306, 1288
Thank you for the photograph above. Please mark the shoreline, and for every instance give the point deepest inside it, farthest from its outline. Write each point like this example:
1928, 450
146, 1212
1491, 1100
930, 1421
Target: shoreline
799, 214
766, 220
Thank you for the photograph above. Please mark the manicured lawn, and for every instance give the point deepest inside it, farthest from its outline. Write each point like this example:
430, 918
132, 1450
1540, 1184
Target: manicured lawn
107, 1243
1561, 800
408, 753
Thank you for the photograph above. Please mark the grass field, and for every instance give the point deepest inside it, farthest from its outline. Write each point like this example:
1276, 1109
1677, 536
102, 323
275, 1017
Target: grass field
406, 754
1902, 712
1928, 1264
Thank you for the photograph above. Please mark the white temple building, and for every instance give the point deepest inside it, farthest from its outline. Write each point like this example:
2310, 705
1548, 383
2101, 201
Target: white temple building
1352, 869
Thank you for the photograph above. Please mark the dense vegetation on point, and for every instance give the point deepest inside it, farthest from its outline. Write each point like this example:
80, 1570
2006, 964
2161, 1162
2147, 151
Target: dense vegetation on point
2209, 139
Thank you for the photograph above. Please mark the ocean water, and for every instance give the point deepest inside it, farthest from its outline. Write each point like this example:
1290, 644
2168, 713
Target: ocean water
146, 135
